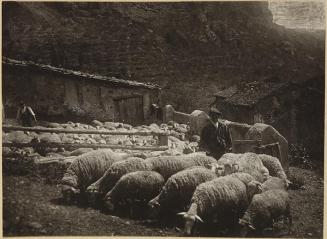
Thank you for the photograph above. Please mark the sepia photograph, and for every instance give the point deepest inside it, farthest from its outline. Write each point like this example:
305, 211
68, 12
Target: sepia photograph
163, 119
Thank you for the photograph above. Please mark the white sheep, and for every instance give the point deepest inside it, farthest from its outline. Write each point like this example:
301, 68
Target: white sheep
273, 165
264, 209
178, 190
224, 197
168, 165
135, 186
79, 151
248, 162
226, 169
200, 159
272, 183
85, 169
244, 177
165, 165
268, 135
113, 174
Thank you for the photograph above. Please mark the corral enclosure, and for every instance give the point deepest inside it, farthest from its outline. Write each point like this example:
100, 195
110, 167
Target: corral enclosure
188, 51
34, 205
57, 92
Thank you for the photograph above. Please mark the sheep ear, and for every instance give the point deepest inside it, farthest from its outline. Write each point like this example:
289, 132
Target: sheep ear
236, 167
260, 188
155, 204
198, 218
75, 190
251, 226
288, 182
181, 214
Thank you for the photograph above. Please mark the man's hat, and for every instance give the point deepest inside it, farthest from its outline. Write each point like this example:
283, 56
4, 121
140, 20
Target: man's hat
214, 110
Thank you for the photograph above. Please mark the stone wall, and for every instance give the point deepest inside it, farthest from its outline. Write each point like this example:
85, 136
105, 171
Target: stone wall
57, 95
169, 114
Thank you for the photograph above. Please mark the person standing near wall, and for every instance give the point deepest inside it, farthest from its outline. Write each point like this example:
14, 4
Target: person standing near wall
25, 115
215, 138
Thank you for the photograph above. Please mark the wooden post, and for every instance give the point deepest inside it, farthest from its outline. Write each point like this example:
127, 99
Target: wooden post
94, 146
243, 146
162, 136
163, 140
168, 113
7, 128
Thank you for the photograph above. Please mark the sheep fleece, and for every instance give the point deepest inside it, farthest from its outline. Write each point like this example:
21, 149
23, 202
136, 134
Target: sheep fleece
220, 195
117, 170
180, 186
248, 163
244, 177
141, 185
273, 165
267, 206
89, 167
168, 165
274, 183
201, 159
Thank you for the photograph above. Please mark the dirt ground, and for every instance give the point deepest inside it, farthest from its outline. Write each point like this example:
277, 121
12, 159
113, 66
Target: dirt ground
33, 207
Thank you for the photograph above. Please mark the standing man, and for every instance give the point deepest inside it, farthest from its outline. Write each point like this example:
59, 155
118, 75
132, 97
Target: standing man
25, 115
215, 138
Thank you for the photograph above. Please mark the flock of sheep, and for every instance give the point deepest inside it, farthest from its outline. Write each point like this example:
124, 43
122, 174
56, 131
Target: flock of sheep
247, 192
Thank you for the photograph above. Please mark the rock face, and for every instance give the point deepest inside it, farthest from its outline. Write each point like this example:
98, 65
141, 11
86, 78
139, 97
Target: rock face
191, 49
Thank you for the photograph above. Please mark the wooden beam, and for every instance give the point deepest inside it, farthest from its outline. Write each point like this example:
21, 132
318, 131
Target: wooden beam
75, 145
163, 140
47, 160
7, 128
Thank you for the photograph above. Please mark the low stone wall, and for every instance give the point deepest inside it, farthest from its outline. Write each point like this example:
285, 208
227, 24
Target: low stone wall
181, 117
169, 114
196, 120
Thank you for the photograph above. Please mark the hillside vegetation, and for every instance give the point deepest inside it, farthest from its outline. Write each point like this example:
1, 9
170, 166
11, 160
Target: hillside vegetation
190, 49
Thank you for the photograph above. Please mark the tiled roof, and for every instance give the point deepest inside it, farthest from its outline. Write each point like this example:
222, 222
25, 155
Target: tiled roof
227, 92
249, 94
114, 80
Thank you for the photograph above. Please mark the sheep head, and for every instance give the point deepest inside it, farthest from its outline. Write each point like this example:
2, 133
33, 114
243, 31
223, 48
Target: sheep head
265, 173
108, 202
69, 193
288, 183
109, 205
92, 193
228, 168
154, 208
154, 203
218, 169
235, 168
189, 221
246, 226
253, 187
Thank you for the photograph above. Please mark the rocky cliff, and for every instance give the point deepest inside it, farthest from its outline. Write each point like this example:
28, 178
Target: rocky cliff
191, 49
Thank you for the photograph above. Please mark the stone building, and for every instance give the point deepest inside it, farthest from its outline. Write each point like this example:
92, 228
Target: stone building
61, 93
256, 102
295, 109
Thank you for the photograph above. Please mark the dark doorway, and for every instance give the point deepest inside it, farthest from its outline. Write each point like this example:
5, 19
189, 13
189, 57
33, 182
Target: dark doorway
129, 109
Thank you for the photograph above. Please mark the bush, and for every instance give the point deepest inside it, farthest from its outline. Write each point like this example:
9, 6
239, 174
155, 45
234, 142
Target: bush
299, 157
